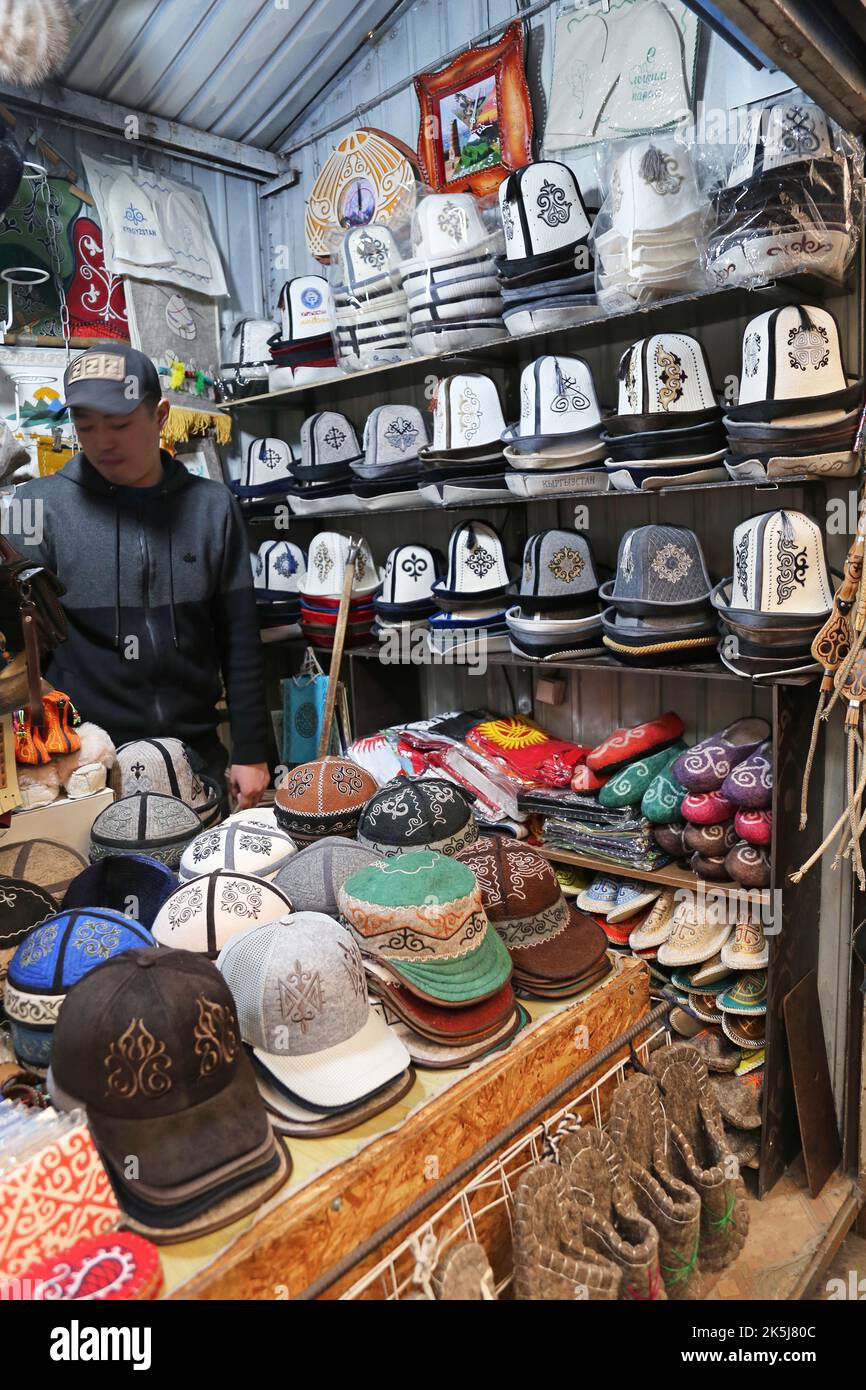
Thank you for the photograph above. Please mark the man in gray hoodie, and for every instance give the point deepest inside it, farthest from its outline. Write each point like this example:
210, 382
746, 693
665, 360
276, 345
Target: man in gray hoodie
155, 562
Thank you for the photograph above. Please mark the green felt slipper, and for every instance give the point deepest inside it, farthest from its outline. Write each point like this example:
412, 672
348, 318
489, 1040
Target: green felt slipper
628, 787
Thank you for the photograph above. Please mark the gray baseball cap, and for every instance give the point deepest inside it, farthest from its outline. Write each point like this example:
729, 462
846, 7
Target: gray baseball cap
114, 380
301, 996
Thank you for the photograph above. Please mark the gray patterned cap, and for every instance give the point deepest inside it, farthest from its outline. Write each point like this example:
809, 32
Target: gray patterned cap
160, 826
313, 875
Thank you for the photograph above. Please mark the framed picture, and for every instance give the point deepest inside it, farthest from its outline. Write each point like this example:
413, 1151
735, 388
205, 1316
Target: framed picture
476, 117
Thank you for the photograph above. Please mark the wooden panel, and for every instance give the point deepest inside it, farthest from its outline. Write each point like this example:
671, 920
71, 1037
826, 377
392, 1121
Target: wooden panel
314, 1227
819, 1133
672, 876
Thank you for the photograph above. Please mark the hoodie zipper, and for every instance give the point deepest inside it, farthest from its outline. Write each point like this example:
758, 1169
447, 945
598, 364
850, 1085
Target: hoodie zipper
148, 621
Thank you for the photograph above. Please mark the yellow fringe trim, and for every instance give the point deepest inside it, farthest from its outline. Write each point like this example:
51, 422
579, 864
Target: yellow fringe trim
662, 646
182, 424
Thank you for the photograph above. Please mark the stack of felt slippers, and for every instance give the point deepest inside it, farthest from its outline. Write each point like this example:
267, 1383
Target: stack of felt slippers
719, 971
619, 906
777, 600
725, 776
464, 463
556, 950
669, 428
474, 594
555, 449
322, 480
546, 273
320, 597
660, 611
437, 967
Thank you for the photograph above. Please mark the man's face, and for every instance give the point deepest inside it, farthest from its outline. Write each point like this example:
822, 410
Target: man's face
123, 448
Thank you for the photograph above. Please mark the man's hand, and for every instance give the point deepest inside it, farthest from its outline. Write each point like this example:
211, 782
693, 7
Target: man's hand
248, 783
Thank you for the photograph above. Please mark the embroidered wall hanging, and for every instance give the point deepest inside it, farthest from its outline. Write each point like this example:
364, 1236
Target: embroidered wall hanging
368, 177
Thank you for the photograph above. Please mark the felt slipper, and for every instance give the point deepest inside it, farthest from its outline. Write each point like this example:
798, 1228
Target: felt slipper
670, 839
624, 746
706, 808
630, 898
739, 1098
750, 785
684, 1023
709, 973
600, 896
463, 1275
585, 780
627, 787
719, 1054
571, 880
656, 926
744, 1030
663, 798
714, 841
748, 948
755, 827
705, 767
694, 937
747, 995
704, 1007
708, 867
748, 865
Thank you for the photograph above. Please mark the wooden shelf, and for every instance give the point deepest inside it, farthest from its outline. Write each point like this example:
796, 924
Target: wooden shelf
672, 876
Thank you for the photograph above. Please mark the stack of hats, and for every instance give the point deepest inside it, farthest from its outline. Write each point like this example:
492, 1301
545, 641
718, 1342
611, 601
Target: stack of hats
324, 1061
654, 222
798, 411
668, 430
164, 765
158, 826
279, 570
454, 298
303, 351
546, 273
150, 1045
719, 974
23, 906
267, 473
388, 473
312, 877
558, 616
556, 950
724, 777
322, 480
129, 883
371, 307
49, 866
242, 847
204, 913
464, 463
555, 447
786, 205
778, 598
325, 797
52, 958
327, 562
432, 959
407, 598
418, 813
660, 610
473, 594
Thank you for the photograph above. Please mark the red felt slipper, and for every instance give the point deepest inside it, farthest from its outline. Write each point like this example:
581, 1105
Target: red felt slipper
706, 808
585, 780
624, 746
755, 827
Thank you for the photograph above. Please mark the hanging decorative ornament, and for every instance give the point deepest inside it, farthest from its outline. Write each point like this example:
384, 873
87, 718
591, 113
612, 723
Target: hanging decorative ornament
368, 177
97, 304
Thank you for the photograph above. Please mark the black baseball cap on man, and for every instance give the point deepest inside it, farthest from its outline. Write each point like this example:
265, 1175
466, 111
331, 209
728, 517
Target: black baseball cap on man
113, 380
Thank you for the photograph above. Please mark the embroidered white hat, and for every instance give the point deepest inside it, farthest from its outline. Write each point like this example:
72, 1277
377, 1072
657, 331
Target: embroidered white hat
468, 413
326, 565
206, 912
447, 224
410, 573
780, 565
138, 236
371, 259
653, 189
306, 308
777, 135
241, 847
557, 398
267, 469
542, 210
665, 374
792, 365
329, 443
393, 434
279, 569
477, 567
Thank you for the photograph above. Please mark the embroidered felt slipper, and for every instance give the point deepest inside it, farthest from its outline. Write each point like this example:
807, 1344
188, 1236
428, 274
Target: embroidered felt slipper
627, 787
748, 949
755, 827
670, 839
463, 1275
709, 974
684, 1023
744, 1030
694, 936
747, 995
630, 898
572, 880
663, 798
748, 865
720, 1055
709, 868
656, 926
705, 767
624, 746
739, 1098
704, 1007
685, 980
714, 841
600, 896
750, 785
706, 808
585, 780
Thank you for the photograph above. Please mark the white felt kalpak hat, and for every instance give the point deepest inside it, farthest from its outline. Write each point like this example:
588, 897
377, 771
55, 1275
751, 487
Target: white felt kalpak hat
654, 189
326, 565
206, 912
393, 434
542, 210
665, 374
328, 438
267, 469
371, 260
468, 413
792, 365
279, 569
777, 135
447, 224
780, 565
477, 567
241, 847
306, 308
410, 573
557, 399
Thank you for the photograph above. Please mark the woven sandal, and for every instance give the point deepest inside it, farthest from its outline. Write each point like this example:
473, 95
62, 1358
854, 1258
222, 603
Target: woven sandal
637, 1128
464, 1275
612, 1224
701, 1154
551, 1261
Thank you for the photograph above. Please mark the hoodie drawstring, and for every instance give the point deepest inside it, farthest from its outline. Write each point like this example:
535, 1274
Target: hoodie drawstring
116, 577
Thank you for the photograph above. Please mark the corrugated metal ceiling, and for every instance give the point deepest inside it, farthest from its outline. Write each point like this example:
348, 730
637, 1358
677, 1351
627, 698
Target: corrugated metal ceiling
247, 69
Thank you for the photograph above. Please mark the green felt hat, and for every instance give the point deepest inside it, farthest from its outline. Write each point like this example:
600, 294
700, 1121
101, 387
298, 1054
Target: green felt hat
628, 787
